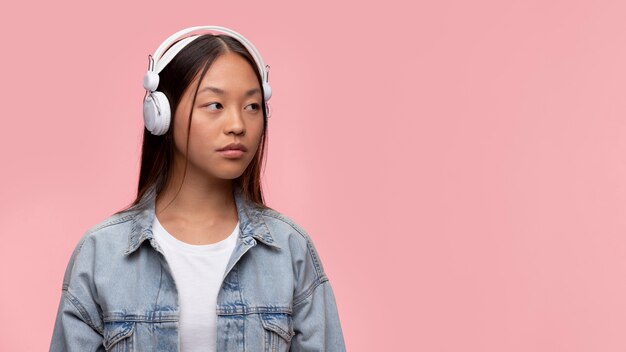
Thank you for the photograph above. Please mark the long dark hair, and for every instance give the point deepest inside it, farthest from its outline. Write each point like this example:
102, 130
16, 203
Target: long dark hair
158, 151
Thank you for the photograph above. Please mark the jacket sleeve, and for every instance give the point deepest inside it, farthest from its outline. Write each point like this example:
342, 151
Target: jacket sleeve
78, 326
316, 322
73, 330
315, 316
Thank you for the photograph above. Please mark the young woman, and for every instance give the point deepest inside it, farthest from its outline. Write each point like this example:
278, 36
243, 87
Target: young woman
198, 262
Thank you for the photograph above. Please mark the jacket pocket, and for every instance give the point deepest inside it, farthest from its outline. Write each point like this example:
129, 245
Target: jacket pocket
278, 331
117, 336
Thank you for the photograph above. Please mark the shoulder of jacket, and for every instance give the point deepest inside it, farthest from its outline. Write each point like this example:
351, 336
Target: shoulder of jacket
89, 236
106, 223
276, 216
312, 272
304, 240
112, 220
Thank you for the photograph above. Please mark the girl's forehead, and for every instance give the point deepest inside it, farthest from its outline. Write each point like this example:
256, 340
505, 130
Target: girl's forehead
229, 72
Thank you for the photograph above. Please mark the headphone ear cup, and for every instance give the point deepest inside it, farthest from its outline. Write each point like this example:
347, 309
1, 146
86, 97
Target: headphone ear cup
157, 123
267, 91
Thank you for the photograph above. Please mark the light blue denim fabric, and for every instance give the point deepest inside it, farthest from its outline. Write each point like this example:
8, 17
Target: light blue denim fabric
119, 294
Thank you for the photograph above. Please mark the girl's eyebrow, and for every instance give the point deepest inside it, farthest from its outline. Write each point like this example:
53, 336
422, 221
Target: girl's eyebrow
221, 91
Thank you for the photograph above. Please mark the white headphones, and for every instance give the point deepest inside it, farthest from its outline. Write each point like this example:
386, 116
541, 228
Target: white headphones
156, 107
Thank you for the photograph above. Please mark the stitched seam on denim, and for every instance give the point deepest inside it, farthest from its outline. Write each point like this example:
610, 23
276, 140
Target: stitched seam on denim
160, 285
316, 260
270, 242
321, 275
318, 269
286, 334
236, 275
253, 310
86, 236
308, 292
273, 241
138, 318
127, 332
83, 312
111, 222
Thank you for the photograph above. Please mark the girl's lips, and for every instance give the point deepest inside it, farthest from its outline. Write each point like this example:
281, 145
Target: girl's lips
231, 153
234, 146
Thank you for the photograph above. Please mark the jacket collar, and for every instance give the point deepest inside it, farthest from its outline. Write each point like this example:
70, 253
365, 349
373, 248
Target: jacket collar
251, 223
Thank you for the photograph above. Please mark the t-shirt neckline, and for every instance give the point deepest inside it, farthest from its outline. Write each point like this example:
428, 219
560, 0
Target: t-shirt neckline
210, 248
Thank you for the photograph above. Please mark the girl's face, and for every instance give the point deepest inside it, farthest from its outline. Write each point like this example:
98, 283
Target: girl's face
228, 109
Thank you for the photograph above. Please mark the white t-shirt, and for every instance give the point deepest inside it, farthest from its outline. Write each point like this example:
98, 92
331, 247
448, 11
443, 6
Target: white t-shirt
198, 271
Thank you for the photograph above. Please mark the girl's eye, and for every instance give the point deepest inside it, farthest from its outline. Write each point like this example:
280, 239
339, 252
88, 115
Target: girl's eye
256, 106
213, 104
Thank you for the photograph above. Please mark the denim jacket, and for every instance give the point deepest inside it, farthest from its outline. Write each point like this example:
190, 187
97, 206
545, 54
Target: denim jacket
119, 294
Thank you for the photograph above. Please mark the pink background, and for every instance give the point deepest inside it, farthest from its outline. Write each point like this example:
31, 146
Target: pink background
460, 165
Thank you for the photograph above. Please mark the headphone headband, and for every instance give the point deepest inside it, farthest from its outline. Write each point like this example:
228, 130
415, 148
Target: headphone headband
169, 54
